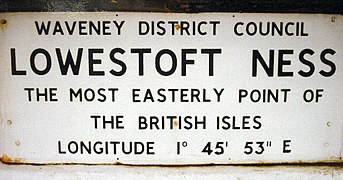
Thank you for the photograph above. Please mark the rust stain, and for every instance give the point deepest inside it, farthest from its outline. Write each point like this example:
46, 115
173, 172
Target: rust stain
3, 23
177, 26
7, 160
19, 160
297, 164
175, 123
336, 163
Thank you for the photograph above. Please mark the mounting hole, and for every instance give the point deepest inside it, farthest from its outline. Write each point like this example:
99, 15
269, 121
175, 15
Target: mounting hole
333, 19
328, 123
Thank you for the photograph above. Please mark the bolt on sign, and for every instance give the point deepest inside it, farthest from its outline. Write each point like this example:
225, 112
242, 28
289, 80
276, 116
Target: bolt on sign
171, 89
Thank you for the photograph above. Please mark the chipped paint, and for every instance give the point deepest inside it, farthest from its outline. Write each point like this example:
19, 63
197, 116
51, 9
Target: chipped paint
177, 26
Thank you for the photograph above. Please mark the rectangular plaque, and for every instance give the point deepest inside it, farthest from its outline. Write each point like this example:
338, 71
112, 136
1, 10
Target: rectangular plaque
171, 89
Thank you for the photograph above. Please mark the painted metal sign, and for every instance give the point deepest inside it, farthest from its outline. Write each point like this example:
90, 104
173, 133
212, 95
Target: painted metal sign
150, 88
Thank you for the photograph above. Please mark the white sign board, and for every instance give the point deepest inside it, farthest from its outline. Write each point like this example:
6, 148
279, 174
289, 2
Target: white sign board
150, 88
